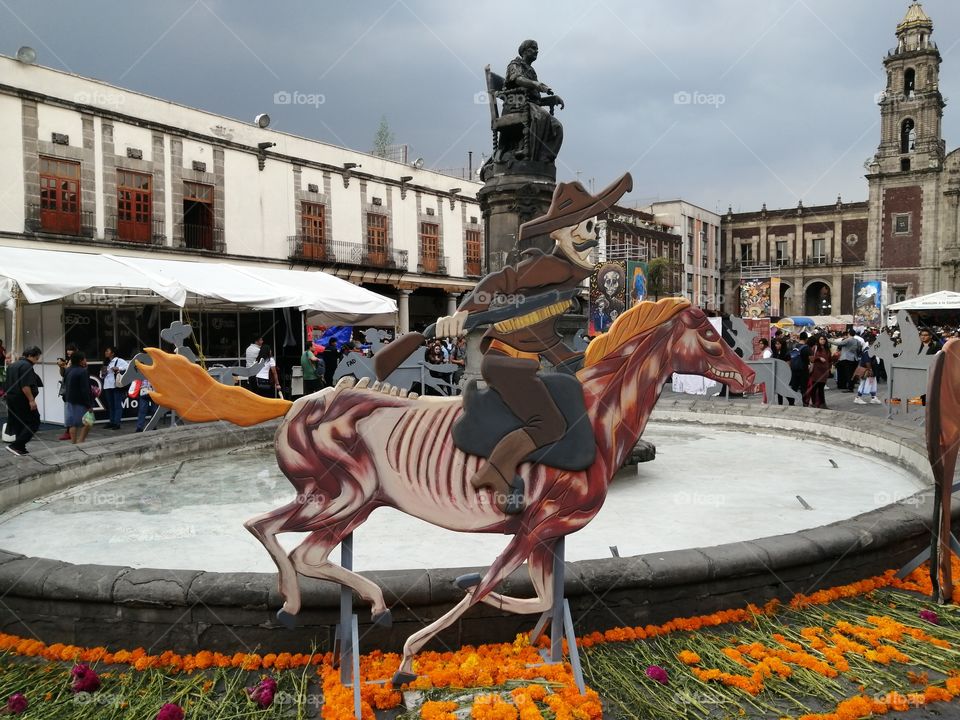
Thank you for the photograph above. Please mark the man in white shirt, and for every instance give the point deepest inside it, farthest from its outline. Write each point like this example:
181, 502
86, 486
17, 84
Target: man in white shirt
113, 367
251, 353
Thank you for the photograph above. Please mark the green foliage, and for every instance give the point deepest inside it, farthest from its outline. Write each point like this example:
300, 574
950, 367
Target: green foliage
383, 139
658, 276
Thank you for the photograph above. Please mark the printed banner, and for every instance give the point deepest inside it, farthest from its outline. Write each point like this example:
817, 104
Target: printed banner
868, 303
608, 286
636, 282
775, 310
754, 298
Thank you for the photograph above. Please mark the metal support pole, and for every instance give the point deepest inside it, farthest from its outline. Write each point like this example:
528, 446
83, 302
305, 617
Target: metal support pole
346, 613
556, 621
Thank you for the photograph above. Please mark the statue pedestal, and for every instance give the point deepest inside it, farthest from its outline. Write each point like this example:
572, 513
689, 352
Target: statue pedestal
513, 193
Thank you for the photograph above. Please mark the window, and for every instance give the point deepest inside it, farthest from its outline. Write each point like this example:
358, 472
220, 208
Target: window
908, 136
429, 246
134, 206
704, 249
909, 82
198, 216
746, 253
781, 251
376, 238
901, 224
60, 196
474, 250
312, 229
819, 255
899, 293
690, 286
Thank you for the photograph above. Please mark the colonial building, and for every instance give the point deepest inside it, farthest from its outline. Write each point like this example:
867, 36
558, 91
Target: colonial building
86, 167
629, 234
906, 234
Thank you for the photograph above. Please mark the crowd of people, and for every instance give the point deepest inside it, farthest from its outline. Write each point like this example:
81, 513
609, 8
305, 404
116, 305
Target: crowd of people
846, 357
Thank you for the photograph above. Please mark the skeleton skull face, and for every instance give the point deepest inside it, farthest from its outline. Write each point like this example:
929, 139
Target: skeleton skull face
576, 241
611, 283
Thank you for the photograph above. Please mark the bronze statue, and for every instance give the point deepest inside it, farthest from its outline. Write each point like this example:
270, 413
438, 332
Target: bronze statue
523, 130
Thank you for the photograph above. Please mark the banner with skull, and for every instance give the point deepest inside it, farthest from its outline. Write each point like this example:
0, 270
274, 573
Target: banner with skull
607, 294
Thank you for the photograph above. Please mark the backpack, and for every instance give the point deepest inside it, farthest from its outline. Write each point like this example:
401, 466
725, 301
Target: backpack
796, 359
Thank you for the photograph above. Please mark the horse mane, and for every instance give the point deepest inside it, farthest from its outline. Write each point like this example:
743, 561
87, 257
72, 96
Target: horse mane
638, 319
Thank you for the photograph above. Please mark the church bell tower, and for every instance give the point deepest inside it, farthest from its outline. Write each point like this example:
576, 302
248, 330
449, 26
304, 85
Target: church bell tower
911, 107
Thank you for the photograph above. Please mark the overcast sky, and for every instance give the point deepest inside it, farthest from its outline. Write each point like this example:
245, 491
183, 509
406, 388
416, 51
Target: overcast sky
780, 93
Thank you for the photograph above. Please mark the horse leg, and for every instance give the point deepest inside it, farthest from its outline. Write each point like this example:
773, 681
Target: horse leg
265, 528
509, 560
540, 567
310, 558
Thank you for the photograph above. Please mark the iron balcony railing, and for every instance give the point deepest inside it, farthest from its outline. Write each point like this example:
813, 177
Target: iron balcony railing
201, 237
363, 255
42, 220
310, 249
433, 264
152, 233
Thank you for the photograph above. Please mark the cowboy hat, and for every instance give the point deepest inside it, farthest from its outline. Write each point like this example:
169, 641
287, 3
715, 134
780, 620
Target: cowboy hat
572, 204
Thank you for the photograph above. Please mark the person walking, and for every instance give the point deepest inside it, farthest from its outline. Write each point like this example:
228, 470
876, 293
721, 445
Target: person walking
22, 388
145, 405
268, 382
819, 372
778, 351
331, 358
849, 347
114, 366
800, 367
77, 397
867, 373
250, 359
313, 370
64, 364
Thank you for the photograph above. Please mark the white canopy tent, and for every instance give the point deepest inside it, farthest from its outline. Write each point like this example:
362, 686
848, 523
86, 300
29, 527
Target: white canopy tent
46, 275
943, 300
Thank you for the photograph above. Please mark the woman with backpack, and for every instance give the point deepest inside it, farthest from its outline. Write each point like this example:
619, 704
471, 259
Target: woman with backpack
800, 367
778, 351
866, 371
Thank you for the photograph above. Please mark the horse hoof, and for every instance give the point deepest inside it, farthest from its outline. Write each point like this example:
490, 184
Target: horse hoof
465, 582
384, 619
288, 620
402, 678
514, 504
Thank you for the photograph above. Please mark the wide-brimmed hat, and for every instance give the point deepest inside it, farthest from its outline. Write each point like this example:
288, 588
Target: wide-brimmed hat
572, 204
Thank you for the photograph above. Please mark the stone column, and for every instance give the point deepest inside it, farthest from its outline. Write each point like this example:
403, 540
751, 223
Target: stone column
453, 299
403, 311
507, 200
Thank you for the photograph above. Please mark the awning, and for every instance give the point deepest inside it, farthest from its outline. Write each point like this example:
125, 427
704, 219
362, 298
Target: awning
45, 275
943, 300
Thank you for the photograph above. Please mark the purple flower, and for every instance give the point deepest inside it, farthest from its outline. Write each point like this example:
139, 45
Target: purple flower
84, 679
657, 673
16, 703
170, 712
930, 616
263, 693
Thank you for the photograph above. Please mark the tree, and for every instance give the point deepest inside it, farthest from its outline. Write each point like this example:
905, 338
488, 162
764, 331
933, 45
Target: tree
383, 139
658, 276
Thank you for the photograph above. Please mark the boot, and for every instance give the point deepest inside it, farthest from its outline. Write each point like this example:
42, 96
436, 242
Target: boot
502, 464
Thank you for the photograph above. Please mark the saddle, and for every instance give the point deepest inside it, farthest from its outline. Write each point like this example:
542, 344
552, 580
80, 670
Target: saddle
486, 420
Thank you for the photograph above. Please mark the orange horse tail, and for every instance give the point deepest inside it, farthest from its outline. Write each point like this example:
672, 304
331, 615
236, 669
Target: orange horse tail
187, 389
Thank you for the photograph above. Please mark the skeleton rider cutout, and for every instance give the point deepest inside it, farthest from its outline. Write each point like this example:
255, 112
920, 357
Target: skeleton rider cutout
513, 348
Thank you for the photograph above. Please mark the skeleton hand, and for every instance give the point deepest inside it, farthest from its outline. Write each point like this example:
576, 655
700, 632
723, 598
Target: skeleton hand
452, 325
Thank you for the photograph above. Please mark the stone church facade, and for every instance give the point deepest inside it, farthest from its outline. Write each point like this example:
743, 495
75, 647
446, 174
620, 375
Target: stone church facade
907, 232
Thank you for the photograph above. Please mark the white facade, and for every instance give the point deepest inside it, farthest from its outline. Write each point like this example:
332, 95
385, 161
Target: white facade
700, 230
258, 198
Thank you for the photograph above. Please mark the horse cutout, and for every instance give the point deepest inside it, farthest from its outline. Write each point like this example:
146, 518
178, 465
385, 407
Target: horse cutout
350, 449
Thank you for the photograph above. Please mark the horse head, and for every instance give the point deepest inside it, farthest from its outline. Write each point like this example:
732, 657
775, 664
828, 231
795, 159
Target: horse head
699, 349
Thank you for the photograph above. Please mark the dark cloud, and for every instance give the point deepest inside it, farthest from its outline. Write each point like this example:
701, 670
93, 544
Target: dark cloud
781, 92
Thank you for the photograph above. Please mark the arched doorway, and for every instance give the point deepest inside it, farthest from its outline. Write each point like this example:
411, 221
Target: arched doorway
817, 299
